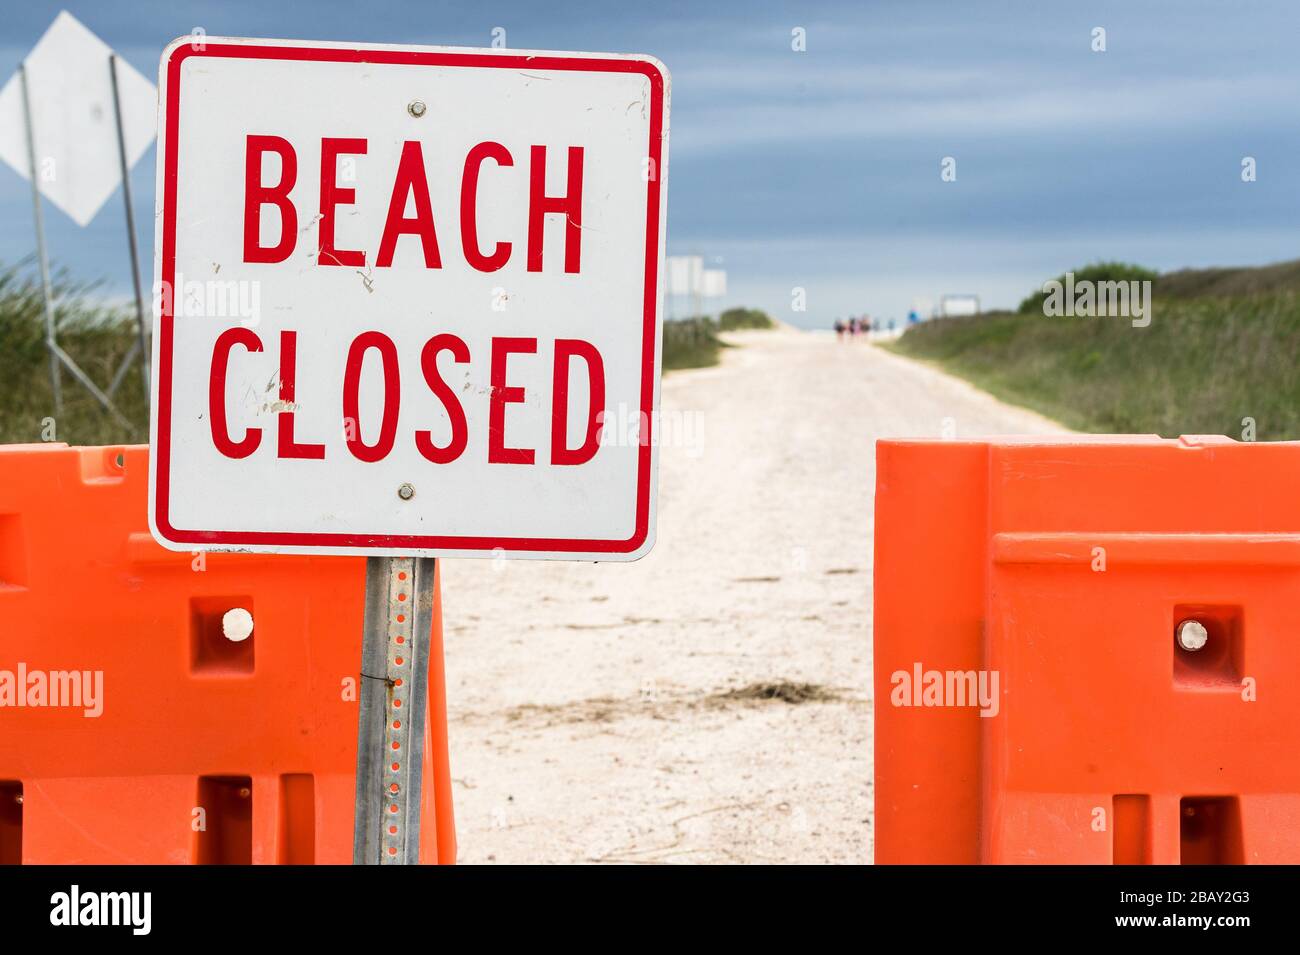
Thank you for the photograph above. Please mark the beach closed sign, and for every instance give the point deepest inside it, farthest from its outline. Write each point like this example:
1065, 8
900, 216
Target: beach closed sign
399, 291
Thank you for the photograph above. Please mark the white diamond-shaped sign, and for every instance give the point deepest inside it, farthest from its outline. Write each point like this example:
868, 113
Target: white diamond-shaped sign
75, 131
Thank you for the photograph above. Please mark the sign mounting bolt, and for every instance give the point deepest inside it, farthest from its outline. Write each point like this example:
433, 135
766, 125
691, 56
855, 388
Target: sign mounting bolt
1192, 635
416, 108
406, 492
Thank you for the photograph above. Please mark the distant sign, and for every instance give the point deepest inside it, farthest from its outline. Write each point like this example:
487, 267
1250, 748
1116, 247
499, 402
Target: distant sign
70, 88
684, 274
953, 306
713, 283
399, 291
688, 276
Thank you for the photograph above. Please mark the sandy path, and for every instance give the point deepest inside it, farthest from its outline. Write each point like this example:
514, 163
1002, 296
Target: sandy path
589, 713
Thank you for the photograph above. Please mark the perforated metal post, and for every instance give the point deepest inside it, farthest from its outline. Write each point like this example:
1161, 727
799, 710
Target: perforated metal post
394, 702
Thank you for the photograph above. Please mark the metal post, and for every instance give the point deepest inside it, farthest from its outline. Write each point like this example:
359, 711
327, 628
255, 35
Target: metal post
697, 301
393, 706
50, 342
130, 235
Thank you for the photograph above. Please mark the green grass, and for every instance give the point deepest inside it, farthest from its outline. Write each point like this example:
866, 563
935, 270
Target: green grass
736, 318
694, 342
1097, 272
96, 337
691, 343
1205, 362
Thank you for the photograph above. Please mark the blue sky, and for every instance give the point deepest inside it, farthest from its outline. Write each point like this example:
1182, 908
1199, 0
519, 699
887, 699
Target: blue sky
821, 169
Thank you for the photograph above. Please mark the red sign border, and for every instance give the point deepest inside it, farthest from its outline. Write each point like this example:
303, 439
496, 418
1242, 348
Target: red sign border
649, 343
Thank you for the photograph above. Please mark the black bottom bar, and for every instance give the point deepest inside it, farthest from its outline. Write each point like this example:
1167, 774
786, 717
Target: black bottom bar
977, 905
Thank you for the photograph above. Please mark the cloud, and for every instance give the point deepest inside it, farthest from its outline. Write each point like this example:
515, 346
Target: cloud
729, 110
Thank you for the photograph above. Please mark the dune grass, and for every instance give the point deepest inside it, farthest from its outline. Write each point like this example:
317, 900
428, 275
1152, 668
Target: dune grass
738, 318
691, 343
97, 337
694, 342
1205, 363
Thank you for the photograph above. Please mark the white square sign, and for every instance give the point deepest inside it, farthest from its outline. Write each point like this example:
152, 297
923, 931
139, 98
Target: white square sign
407, 300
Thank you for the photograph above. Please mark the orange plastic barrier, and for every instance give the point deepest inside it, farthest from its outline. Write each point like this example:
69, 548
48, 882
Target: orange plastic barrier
1033, 699
170, 743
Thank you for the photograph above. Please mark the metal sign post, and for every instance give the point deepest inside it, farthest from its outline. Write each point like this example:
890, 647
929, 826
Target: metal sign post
394, 702
58, 356
143, 344
43, 258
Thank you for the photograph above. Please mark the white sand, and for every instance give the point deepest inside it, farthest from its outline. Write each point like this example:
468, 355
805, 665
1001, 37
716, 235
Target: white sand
586, 723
